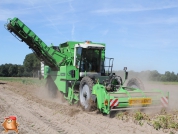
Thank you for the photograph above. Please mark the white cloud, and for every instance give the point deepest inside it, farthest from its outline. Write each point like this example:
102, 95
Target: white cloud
71, 6
148, 20
35, 2
132, 9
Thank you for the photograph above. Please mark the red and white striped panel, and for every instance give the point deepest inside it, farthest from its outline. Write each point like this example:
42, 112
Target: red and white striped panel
114, 102
164, 101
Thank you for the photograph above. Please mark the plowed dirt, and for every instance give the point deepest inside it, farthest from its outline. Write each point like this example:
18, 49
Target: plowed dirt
38, 114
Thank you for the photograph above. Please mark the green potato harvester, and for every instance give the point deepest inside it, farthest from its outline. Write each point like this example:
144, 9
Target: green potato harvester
79, 72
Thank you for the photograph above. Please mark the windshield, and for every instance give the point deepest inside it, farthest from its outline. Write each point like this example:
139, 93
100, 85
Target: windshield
88, 60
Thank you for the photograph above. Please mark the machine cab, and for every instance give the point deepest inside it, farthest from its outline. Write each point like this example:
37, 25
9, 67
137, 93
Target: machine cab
89, 59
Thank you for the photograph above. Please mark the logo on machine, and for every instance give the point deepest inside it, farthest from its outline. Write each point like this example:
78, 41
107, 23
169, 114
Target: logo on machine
62, 74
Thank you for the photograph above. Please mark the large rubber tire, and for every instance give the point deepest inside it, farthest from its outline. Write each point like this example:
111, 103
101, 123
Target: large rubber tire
135, 83
85, 96
51, 87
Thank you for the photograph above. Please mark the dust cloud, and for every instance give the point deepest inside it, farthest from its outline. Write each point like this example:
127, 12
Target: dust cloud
151, 85
43, 93
172, 89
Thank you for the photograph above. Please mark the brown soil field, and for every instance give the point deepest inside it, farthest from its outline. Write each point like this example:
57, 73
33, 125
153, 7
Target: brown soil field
38, 114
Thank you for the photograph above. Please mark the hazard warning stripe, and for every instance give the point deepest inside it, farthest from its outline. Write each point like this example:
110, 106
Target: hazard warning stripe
164, 101
114, 102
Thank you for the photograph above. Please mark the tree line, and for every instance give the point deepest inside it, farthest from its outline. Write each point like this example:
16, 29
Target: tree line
167, 76
153, 75
31, 66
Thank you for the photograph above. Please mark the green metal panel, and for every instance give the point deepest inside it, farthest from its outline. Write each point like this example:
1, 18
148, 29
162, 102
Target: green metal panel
61, 77
101, 95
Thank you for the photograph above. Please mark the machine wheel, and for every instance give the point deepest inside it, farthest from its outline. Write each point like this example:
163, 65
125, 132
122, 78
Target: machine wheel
135, 83
51, 87
85, 96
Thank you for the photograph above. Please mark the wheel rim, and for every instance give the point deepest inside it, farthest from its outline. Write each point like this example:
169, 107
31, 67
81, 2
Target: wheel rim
85, 96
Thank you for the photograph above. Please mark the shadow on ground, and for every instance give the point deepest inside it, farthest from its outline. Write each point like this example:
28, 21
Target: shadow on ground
2, 83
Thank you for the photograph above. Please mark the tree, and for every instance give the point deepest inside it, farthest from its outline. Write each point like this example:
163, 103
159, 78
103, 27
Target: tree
154, 75
173, 77
13, 70
4, 70
168, 75
31, 65
20, 71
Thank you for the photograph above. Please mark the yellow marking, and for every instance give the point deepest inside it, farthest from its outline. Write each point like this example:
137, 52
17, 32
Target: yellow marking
139, 101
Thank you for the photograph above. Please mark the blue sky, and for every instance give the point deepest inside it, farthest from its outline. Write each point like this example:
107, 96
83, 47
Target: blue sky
139, 34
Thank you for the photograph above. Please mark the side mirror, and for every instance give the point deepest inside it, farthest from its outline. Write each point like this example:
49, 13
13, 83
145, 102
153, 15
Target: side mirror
125, 68
126, 75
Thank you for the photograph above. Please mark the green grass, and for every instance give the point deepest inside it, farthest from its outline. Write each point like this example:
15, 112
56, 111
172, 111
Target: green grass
24, 80
170, 83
